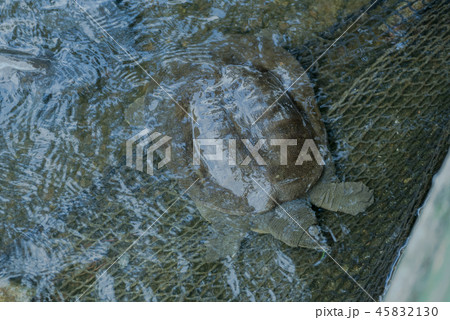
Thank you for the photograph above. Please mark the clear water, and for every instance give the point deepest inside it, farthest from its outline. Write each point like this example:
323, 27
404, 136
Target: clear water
68, 76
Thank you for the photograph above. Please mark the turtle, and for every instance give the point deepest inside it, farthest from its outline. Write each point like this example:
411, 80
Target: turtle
245, 90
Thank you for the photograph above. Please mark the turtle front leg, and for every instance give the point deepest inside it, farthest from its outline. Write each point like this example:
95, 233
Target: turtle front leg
347, 197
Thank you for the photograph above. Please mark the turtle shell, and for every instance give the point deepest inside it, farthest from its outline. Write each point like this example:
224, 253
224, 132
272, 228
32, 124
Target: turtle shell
238, 90
237, 97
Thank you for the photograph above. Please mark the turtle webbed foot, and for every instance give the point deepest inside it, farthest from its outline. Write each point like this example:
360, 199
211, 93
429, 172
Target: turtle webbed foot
346, 197
294, 223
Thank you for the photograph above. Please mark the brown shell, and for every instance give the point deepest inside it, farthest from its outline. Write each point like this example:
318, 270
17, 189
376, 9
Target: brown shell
232, 86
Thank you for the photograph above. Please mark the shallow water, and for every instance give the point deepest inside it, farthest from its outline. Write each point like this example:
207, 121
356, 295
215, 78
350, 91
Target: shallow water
69, 80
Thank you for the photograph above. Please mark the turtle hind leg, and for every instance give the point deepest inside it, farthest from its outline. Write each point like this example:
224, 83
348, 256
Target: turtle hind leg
296, 225
223, 242
227, 233
347, 197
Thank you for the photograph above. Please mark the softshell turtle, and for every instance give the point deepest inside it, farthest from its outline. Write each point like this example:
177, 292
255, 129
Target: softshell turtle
232, 90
